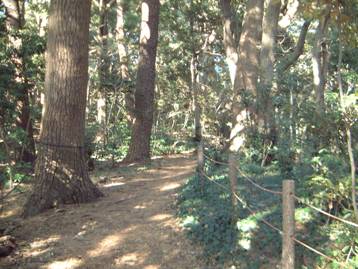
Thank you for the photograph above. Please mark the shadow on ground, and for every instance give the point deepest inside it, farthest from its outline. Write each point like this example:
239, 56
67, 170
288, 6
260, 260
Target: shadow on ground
133, 226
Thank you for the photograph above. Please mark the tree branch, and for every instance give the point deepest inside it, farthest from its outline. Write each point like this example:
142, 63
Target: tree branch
291, 59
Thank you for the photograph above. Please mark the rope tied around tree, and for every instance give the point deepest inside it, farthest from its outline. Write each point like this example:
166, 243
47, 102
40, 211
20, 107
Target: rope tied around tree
47, 144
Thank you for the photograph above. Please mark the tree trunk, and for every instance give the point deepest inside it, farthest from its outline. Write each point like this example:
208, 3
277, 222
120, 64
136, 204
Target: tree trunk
194, 89
139, 149
123, 62
15, 21
14, 14
245, 87
61, 173
24, 121
230, 33
319, 59
348, 127
103, 70
230, 38
267, 59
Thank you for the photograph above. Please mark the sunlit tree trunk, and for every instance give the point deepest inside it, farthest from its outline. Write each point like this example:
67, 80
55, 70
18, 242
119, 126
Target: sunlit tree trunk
139, 148
267, 60
320, 59
245, 87
61, 173
229, 41
15, 21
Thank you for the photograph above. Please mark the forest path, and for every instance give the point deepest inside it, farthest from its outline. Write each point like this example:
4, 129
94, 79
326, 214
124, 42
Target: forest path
133, 226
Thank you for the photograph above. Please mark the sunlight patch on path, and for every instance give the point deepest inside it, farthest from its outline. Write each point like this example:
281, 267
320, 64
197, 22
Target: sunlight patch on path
70, 263
170, 186
39, 247
131, 259
106, 245
152, 266
113, 184
160, 217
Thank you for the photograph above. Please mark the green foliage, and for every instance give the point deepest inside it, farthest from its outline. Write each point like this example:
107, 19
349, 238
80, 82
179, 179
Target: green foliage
208, 218
231, 236
228, 236
164, 144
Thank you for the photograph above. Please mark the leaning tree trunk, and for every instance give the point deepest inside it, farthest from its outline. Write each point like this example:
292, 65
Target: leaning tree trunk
139, 148
245, 86
61, 173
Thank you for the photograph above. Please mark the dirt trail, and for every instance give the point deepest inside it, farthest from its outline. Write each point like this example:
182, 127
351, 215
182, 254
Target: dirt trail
133, 226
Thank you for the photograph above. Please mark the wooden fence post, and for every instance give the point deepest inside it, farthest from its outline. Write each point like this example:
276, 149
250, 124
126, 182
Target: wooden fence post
288, 223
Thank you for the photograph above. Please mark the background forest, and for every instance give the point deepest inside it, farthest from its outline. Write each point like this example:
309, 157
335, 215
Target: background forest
265, 90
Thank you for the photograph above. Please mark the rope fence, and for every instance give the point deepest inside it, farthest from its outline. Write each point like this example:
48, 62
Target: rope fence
300, 200
246, 177
288, 261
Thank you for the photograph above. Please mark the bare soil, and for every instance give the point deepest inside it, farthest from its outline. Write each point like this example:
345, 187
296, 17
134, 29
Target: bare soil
133, 226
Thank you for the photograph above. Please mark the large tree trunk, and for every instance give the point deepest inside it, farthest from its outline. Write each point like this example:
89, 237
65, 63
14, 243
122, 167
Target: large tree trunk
139, 149
245, 87
15, 21
61, 173
267, 59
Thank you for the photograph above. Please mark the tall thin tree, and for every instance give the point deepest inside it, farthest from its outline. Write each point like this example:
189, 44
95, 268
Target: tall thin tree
61, 173
139, 149
320, 57
123, 69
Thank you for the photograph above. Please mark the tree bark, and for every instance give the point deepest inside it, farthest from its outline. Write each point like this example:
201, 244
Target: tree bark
230, 33
319, 59
61, 173
123, 71
267, 60
245, 87
15, 20
194, 89
14, 14
103, 70
139, 148
230, 40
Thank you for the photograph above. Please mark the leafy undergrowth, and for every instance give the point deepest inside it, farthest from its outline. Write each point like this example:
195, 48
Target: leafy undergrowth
237, 237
